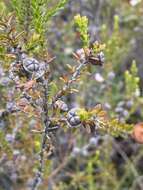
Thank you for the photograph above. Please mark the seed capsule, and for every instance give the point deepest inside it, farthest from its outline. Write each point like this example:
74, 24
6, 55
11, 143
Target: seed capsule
97, 60
73, 117
33, 67
101, 57
61, 105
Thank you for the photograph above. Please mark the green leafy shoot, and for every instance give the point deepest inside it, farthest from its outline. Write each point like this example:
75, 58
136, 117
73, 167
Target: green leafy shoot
82, 27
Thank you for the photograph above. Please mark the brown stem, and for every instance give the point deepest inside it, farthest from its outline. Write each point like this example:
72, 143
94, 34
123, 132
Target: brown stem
68, 84
47, 123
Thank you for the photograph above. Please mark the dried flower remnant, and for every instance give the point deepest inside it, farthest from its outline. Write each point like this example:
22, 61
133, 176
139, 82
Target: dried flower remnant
91, 55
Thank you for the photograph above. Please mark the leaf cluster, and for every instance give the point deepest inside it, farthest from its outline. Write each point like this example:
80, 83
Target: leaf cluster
82, 27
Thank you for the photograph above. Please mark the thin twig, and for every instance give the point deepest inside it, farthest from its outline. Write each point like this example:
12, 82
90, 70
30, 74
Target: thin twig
132, 167
68, 84
44, 136
47, 120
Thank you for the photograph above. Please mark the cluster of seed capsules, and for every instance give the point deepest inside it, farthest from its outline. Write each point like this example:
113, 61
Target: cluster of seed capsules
26, 66
72, 114
87, 55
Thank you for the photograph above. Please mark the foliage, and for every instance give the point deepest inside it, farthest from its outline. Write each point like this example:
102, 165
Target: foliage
82, 27
132, 81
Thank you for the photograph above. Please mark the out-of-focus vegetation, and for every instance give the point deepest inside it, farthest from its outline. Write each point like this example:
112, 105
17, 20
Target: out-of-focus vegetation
81, 160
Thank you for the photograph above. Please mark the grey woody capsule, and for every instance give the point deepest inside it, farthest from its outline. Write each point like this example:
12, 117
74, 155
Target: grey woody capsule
101, 57
73, 118
97, 60
31, 65
61, 105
